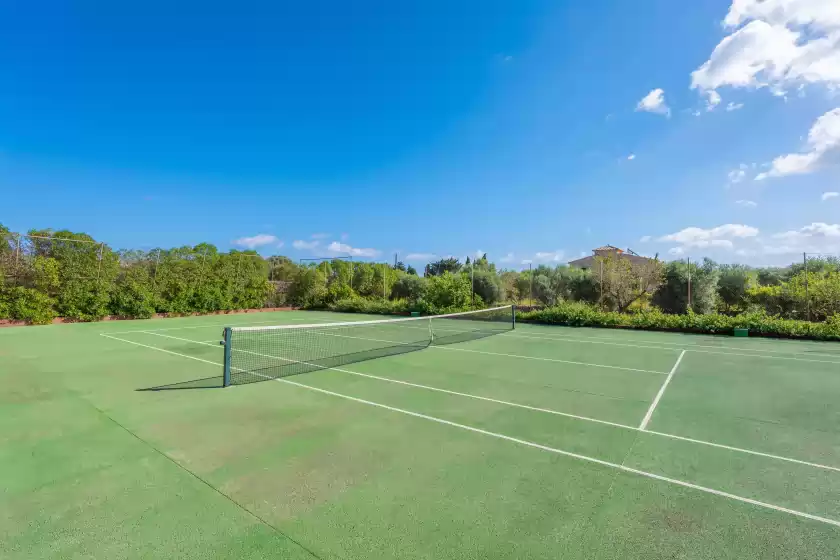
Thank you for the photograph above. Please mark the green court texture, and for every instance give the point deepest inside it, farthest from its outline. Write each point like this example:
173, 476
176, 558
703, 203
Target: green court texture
544, 442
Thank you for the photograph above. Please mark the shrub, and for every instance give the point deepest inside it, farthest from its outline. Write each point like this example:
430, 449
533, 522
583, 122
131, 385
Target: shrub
758, 322
30, 305
409, 287
448, 292
487, 286
132, 295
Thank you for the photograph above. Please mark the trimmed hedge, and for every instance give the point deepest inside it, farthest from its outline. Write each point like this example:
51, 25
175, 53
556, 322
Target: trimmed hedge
758, 322
575, 314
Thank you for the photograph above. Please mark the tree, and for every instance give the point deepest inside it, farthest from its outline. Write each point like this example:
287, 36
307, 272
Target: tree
411, 270
624, 282
486, 285
400, 266
735, 280
672, 295
281, 269
437, 268
410, 287
448, 291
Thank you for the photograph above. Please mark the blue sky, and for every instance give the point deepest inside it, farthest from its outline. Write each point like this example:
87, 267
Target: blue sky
533, 131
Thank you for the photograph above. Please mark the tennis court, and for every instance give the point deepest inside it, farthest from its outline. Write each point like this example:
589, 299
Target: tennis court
535, 442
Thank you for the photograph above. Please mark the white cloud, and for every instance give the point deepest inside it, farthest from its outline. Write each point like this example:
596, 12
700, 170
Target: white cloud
733, 106
776, 44
507, 258
645, 239
817, 237
342, 248
746, 203
737, 175
720, 237
420, 257
305, 245
713, 100
527, 261
259, 240
548, 256
654, 102
827, 195
631, 157
822, 148
319, 235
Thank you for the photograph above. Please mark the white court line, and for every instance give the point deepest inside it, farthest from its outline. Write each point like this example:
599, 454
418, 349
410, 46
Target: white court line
528, 407
526, 443
661, 392
689, 347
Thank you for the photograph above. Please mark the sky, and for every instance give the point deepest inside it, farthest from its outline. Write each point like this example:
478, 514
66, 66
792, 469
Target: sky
533, 131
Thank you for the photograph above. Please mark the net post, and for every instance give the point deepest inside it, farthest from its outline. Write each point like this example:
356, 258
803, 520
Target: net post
226, 374
513, 315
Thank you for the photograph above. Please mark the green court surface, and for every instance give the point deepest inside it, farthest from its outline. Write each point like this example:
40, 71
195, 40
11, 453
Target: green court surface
543, 442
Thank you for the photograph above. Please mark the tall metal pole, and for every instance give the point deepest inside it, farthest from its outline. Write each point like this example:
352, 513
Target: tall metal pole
99, 268
17, 260
807, 300
472, 284
689, 282
531, 285
601, 289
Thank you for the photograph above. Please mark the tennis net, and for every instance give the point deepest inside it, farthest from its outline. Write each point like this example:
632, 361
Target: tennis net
262, 353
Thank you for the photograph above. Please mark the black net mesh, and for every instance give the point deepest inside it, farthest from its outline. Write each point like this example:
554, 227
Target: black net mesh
264, 353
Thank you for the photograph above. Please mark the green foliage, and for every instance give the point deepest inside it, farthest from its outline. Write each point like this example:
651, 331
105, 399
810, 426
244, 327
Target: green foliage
733, 285
373, 306
133, 295
623, 282
438, 268
820, 301
758, 322
487, 286
308, 288
770, 276
409, 287
30, 305
281, 269
411, 270
448, 292
563, 283
672, 295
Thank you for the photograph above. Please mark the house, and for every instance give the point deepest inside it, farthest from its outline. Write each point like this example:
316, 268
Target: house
606, 251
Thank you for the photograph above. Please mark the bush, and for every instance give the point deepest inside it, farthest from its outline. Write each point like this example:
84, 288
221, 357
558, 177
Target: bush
758, 322
133, 295
448, 292
372, 306
30, 305
487, 286
409, 287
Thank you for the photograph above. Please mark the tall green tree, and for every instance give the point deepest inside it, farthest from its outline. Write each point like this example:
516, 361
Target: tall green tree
437, 268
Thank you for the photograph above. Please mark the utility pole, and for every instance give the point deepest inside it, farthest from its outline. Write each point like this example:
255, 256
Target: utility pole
531, 285
472, 284
689, 283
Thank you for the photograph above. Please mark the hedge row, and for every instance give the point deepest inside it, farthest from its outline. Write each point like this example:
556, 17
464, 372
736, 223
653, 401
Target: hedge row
759, 323
576, 314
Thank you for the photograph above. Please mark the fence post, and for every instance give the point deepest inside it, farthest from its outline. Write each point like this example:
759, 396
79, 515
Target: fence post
17, 260
99, 267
